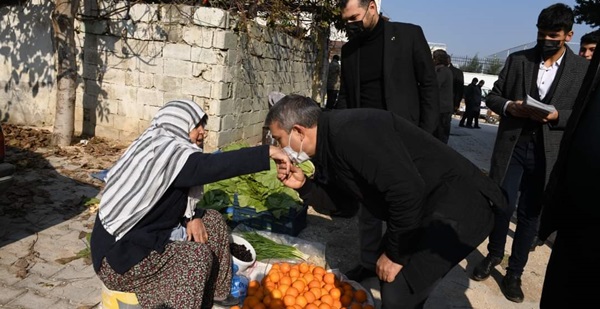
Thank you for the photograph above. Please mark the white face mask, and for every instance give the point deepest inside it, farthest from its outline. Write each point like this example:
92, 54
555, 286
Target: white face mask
296, 157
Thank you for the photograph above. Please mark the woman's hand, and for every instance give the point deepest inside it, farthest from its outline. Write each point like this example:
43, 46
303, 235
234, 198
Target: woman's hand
196, 231
295, 179
281, 159
386, 269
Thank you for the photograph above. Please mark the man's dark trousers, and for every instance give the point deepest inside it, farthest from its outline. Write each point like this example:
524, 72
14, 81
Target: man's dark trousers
525, 173
332, 95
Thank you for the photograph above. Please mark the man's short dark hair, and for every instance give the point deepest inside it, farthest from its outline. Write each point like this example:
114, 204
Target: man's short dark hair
474, 80
591, 37
361, 3
440, 57
293, 110
335, 57
556, 17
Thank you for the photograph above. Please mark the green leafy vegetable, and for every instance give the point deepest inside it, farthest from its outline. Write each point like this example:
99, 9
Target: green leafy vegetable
268, 249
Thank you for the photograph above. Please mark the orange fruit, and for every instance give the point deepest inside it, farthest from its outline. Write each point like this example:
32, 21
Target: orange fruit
285, 280
301, 300
292, 291
308, 277
260, 306
253, 284
319, 271
327, 278
289, 300
277, 304
252, 291
355, 306
346, 300
329, 287
251, 301
337, 304
270, 286
314, 284
283, 288
324, 306
267, 300
311, 306
299, 285
367, 306
275, 266
235, 307
303, 267
335, 293
316, 292
310, 297
285, 267
274, 276
294, 272
360, 296
276, 294
327, 299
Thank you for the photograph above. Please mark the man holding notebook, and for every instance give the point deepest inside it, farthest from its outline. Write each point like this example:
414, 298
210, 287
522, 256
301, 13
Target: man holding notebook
528, 138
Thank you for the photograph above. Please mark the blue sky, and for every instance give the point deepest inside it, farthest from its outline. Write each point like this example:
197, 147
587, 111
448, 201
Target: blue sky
470, 27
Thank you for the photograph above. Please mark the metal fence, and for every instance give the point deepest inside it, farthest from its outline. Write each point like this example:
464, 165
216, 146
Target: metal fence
488, 65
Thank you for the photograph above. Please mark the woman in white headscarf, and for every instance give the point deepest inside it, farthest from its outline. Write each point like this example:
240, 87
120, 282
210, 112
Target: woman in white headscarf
150, 195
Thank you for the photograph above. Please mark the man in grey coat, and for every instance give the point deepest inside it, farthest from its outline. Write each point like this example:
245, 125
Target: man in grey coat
528, 139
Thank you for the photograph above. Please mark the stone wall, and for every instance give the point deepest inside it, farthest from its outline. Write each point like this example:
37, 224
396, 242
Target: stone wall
132, 64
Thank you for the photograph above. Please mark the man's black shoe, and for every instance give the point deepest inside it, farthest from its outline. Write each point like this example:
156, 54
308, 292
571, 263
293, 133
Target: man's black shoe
536, 243
477, 127
461, 125
469, 127
511, 288
360, 273
483, 270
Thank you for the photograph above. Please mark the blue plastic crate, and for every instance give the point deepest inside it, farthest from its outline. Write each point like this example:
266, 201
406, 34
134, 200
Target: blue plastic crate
291, 223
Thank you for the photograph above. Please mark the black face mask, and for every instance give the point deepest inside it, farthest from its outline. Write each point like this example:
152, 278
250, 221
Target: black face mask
355, 30
548, 47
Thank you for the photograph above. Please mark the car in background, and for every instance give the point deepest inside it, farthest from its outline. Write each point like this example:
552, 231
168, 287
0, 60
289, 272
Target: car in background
6, 169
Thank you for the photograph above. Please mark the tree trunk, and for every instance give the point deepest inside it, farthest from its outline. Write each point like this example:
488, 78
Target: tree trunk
320, 73
63, 24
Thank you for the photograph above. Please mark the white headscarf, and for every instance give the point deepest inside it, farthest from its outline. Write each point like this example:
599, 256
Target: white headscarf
149, 166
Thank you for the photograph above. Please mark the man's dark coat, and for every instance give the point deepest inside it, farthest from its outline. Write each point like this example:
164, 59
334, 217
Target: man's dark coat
437, 204
409, 80
514, 83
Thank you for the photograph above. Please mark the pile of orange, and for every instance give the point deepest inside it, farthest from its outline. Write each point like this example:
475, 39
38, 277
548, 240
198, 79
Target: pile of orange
302, 286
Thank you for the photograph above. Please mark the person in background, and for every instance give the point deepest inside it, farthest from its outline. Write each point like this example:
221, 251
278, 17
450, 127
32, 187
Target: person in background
149, 238
333, 81
423, 193
527, 140
569, 207
477, 98
588, 44
385, 65
472, 103
445, 82
458, 84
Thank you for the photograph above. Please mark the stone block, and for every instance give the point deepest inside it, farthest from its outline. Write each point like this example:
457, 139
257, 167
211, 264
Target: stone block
83, 292
196, 36
6, 278
177, 68
143, 13
150, 111
179, 14
224, 40
208, 56
229, 122
225, 138
232, 57
32, 300
211, 17
154, 32
126, 124
196, 87
154, 65
115, 76
145, 80
8, 293
174, 32
177, 51
106, 131
202, 70
222, 107
214, 123
167, 83
150, 97
120, 92
95, 27
176, 95
221, 91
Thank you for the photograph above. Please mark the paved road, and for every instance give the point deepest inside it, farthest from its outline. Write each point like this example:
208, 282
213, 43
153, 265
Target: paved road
34, 238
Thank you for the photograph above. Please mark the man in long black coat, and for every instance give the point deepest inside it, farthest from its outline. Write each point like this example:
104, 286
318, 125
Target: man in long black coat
437, 205
385, 65
570, 206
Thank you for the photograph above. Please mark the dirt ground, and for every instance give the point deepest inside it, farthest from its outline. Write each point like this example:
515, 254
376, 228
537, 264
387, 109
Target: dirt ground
39, 164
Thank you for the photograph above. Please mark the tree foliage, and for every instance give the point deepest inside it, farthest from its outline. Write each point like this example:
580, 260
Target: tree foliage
473, 65
493, 67
588, 12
